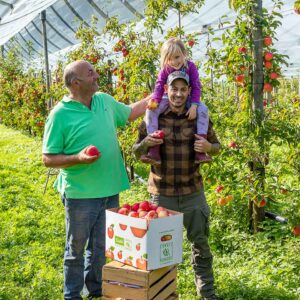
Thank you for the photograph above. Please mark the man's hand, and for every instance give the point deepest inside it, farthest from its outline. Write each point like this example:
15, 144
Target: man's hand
150, 141
202, 145
192, 112
84, 158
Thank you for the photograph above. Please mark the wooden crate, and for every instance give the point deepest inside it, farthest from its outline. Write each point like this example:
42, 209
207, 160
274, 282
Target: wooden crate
121, 281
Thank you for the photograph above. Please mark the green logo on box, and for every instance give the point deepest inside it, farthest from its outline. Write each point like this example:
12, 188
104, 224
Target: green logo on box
119, 241
125, 243
166, 252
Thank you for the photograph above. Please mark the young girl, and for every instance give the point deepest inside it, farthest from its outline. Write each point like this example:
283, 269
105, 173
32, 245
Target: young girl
174, 58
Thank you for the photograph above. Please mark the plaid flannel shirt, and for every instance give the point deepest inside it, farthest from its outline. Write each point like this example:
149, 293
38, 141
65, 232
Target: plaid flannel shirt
178, 174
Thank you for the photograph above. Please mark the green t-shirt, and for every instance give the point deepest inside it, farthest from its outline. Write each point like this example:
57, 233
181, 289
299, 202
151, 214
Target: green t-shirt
72, 126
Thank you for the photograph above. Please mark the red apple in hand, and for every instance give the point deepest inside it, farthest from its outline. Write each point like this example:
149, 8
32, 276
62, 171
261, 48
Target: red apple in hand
92, 151
158, 134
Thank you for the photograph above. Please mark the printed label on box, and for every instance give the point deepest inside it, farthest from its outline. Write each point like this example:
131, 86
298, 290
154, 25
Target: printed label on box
166, 252
123, 242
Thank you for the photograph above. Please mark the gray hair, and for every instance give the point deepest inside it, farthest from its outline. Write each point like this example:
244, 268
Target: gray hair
69, 75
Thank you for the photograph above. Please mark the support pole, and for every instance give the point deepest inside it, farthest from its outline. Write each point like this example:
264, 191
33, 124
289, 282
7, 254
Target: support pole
2, 51
257, 167
45, 44
179, 22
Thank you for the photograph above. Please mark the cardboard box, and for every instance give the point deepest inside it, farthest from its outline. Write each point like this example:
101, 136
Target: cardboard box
121, 281
146, 245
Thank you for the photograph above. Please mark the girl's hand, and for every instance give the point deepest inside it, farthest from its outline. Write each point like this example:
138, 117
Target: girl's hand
192, 112
152, 104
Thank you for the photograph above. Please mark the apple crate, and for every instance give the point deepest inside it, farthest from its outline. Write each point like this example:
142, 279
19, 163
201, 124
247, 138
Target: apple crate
120, 281
146, 245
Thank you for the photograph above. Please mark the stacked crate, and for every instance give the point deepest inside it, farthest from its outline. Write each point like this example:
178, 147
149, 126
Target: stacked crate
121, 281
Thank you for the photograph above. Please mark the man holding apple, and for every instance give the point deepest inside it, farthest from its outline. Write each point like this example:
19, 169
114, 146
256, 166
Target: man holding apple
80, 139
177, 184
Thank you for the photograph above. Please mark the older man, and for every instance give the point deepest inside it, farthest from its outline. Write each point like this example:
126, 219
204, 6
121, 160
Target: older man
176, 183
88, 184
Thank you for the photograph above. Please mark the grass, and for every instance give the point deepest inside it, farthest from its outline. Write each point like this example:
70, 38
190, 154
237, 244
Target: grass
265, 266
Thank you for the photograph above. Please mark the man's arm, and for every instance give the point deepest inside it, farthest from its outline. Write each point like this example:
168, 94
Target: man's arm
144, 141
138, 108
210, 145
62, 161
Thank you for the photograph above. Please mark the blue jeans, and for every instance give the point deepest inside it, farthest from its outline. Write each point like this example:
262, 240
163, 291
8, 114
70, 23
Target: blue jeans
85, 234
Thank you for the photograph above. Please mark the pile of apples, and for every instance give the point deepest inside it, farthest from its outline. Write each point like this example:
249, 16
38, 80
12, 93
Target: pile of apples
144, 210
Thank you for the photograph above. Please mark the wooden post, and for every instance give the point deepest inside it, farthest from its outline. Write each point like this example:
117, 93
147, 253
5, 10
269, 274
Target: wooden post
258, 80
45, 44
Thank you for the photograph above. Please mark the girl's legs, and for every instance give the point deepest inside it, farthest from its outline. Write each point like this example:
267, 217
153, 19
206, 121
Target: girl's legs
202, 127
151, 119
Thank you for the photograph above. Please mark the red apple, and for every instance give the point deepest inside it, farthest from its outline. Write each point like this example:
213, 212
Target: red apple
145, 205
222, 201
262, 203
151, 215
125, 52
158, 134
153, 206
142, 214
133, 214
232, 145
123, 211
162, 213
126, 205
268, 64
268, 87
274, 75
242, 50
135, 206
296, 230
240, 78
92, 151
268, 56
191, 43
219, 189
160, 208
267, 41
243, 68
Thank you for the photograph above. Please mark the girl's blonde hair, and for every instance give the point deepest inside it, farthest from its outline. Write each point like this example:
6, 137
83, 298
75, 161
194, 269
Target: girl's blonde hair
170, 48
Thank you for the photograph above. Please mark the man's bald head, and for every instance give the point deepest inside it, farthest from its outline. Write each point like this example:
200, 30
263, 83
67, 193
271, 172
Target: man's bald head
72, 71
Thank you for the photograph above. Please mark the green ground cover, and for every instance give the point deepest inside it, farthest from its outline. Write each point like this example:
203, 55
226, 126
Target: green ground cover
264, 266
